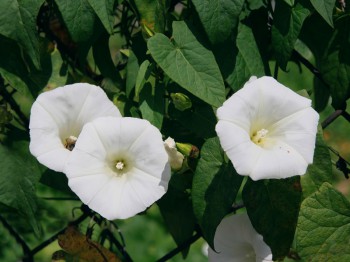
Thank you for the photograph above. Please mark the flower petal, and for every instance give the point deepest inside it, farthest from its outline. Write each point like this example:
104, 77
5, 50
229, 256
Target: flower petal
91, 168
236, 240
279, 161
60, 113
267, 130
298, 131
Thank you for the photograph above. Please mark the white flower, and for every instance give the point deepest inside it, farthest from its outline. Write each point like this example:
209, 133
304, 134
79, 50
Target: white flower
58, 116
119, 166
267, 130
236, 240
175, 158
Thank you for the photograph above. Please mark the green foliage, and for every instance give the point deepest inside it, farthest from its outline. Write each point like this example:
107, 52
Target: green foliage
219, 17
176, 209
320, 170
325, 9
324, 226
286, 29
273, 207
215, 186
189, 63
19, 24
20, 175
174, 63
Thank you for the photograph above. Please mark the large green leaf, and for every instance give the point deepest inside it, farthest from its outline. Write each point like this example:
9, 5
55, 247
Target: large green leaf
189, 63
79, 17
324, 226
214, 189
321, 169
200, 119
218, 17
249, 52
19, 176
240, 74
18, 22
285, 31
273, 208
335, 64
132, 68
176, 208
104, 11
152, 102
325, 9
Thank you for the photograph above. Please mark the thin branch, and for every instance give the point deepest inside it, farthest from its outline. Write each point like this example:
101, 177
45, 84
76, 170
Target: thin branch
331, 118
17, 237
309, 66
181, 247
54, 237
14, 106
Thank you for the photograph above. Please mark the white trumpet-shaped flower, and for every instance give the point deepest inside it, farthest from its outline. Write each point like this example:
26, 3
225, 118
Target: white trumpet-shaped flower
267, 130
175, 158
58, 116
119, 166
236, 240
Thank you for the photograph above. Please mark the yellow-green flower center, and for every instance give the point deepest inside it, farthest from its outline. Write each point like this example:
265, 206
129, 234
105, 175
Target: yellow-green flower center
258, 137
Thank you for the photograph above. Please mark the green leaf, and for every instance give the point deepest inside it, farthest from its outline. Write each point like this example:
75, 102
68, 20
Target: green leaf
201, 119
325, 9
19, 176
103, 60
240, 74
176, 209
320, 170
151, 14
285, 31
142, 76
189, 64
79, 17
18, 22
218, 17
152, 102
324, 226
104, 11
335, 64
273, 207
249, 52
214, 189
132, 68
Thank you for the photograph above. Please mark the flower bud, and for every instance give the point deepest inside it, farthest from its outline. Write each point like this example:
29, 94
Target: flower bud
175, 158
181, 101
188, 150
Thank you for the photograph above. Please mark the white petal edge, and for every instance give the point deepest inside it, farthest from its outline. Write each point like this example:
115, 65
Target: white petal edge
62, 112
235, 238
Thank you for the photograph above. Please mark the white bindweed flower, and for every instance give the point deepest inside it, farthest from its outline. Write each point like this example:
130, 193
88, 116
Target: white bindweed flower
175, 158
267, 130
236, 240
58, 116
119, 166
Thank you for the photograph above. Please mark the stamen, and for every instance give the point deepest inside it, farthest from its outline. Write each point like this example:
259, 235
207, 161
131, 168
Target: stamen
70, 142
120, 165
258, 136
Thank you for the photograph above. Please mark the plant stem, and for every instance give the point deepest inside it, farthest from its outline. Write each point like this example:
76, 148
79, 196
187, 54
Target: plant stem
331, 118
181, 247
54, 237
14, 106
15, 235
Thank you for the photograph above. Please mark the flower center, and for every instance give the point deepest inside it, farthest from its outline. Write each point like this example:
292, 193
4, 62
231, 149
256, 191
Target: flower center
258, 137
120, 165
70, 142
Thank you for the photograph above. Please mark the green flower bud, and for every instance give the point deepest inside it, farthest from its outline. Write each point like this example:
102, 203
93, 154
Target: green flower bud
188, 150
181, 101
